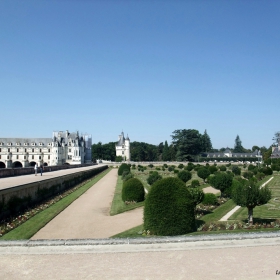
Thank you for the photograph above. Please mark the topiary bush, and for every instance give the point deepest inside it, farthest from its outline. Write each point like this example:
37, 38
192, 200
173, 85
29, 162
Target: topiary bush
180, 166
209, 199
184, 175
169, 208
203, 173
133, 190
122, 168
213, 169
153, 177
266, 170
127, 177
223, 168
236, 170
195, 183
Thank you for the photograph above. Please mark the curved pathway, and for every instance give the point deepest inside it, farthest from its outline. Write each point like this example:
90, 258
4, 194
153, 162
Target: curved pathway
88, 216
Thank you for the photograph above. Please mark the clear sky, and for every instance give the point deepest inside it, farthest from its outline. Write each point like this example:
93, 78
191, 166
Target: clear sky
144, 67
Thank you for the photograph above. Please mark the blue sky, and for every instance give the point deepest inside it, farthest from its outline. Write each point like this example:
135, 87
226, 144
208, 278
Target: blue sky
144, 67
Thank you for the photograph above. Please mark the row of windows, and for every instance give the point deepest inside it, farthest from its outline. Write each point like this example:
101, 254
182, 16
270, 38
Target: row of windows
17, 157
25, 150
25, 144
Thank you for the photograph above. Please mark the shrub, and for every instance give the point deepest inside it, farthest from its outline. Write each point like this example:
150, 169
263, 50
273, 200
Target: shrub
236, 170
133, 190
203, 173
260, 176
212, 169
176, 171
125, 172
169, 208
228, 165
170, 168
275, 167
151, 165
184, 175
189, 167
127, 177
197, 195
123, 167
163, 168
157, 168
223, 168
195, 183
222, 182
154, 176
251, 167
209, 199
266, 170
180, 166
248, 174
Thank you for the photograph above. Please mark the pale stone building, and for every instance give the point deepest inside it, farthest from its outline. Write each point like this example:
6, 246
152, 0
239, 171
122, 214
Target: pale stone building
62, 148
123, 147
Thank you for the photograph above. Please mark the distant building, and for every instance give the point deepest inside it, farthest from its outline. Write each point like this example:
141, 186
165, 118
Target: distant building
123, 147
62, 148
229, 154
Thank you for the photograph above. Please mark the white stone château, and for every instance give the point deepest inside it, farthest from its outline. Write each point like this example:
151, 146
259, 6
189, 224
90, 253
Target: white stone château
123, 147
62, 148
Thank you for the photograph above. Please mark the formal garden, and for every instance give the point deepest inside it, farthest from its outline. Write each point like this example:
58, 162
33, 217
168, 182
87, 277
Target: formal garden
180, 199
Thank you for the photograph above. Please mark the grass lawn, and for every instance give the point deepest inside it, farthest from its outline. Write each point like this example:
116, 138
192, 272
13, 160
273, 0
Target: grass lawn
118, 206
34, 224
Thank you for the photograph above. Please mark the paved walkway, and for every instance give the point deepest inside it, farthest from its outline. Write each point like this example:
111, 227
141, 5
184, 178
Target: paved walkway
14, 181
88, 216
236, 258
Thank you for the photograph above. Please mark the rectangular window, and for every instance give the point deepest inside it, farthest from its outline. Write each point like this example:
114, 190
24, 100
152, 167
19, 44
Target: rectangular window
8, 157
49, 150
49, 156
25, 150
24, 157
9, 150
69, 150
32, 150
0, 150
17, 156
0, 156
32, 157
39, 157
40, 150
17, 150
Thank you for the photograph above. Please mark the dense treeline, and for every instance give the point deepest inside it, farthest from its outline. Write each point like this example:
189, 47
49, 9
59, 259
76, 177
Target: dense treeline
186, 145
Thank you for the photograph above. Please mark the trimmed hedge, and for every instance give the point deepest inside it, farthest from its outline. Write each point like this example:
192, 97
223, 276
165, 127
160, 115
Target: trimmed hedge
154, 176
209, 199
184, 175
169, 208
133, 190
122, 168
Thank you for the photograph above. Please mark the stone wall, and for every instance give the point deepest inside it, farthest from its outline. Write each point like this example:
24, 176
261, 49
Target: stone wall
9, 172
15, 198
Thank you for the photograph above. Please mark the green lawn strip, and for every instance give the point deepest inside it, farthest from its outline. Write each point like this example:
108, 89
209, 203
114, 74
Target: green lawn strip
34, 224
219, 212
118, 206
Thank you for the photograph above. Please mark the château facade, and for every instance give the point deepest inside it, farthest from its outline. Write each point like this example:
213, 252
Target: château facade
123, 147
62, 148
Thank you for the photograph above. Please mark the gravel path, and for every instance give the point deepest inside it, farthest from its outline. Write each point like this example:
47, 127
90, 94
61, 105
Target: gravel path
88, 216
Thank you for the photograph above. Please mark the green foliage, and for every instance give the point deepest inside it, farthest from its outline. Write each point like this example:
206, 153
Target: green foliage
251, 167
197, 195
127, 176
176, 171
236, 170
166, 153
181, 166
209, 199
122, 168
184, 175
188, 144
222, 182
223, 168
248, 194
260, 176
238, 148
118, 159
206, 142
151, 165
266, 170
195, 183
213, 169
133, 190
104, 151
203, 173
154, 176
170, 168
248, 174
141, 151
189, 167
169, 208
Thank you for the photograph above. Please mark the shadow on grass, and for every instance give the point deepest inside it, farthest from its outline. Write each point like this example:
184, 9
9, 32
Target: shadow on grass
260, 221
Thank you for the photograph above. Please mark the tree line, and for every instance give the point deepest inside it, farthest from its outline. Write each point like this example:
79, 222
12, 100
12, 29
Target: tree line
186, 145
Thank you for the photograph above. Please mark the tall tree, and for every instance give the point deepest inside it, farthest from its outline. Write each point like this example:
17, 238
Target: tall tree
206, 142
188, 144
276, 138
165, 152
238, 148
